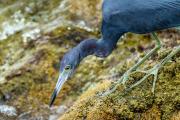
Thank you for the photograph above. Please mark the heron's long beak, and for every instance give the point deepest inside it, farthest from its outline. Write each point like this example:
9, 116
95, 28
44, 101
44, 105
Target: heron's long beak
61, 80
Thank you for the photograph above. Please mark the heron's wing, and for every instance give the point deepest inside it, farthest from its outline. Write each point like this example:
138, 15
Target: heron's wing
142, 15
112, 8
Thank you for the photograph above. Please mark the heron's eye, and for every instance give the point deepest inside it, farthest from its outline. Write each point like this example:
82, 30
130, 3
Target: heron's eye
68, 67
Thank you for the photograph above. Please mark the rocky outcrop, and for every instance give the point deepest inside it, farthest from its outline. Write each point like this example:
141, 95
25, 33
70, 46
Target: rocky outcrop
36, 36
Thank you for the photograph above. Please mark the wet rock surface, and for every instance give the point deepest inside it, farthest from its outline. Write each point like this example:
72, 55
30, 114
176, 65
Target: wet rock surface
34, 35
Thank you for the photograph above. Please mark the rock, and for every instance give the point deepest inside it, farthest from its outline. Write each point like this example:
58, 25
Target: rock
53, 117
8, 110
24, 116
57, 111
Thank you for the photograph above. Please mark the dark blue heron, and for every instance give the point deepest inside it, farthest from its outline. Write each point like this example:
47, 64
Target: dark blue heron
120, 17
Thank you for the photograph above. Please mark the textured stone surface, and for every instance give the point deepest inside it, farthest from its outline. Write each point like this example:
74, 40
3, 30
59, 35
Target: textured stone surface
35, 37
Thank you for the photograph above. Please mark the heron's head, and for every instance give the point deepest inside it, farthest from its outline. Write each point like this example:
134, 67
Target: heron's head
71, 60
68, 65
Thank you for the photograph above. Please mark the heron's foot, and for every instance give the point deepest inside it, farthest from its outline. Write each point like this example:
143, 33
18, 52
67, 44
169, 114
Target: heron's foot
122, 81
127, 74
154, 71
124, 78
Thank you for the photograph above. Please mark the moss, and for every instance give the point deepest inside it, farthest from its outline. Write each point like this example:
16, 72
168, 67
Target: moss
76, 13
69, 35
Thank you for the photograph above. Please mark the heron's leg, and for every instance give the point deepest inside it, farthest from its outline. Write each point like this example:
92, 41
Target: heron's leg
152, 71
125, 77
155, 69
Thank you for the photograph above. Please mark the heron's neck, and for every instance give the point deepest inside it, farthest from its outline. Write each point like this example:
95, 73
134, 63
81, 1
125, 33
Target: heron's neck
101, 48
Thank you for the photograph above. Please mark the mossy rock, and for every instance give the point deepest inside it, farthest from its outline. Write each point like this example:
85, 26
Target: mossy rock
138, 103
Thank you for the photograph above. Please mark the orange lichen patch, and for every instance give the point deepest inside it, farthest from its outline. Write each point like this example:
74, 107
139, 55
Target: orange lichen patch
176, 116
151, 114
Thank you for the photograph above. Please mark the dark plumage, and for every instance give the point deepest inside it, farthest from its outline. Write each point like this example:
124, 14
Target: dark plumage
119, 17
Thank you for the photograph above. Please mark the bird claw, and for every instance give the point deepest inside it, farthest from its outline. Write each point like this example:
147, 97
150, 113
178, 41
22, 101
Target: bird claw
153, 71
124, 78
110, 91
